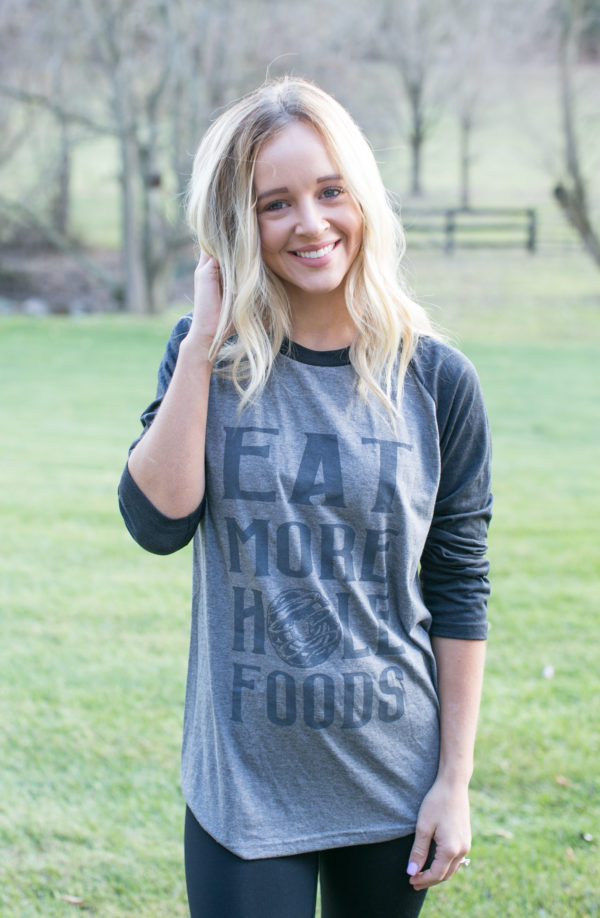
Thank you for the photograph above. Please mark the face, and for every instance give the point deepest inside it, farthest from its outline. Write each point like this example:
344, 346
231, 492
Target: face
310, 227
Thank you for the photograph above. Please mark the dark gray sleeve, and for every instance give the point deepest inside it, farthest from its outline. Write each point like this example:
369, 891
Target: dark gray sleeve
150, 528
454, 566
165, 372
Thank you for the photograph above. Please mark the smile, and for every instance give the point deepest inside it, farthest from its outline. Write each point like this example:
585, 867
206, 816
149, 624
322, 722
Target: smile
317, 253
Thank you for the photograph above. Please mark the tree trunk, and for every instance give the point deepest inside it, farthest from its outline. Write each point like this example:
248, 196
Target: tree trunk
465, 161
417, 140
159, 287
573, 197
416, 148
60, 209
136, 284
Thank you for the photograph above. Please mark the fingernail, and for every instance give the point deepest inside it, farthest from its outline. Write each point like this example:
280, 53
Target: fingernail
412, 869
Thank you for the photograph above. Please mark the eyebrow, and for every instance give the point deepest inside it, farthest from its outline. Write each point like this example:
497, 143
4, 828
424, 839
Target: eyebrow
284, 190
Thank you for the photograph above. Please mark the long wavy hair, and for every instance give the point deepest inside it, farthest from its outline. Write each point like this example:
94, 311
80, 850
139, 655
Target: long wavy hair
222, 213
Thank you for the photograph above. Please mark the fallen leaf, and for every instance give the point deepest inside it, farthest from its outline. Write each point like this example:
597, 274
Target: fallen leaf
570, 854
504, 833
564, 782
73, 900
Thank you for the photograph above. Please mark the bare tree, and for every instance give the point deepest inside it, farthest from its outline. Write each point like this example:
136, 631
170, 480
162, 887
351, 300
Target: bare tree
474, 31
131, 58
572, 192
414, 38
25, 72
146, 73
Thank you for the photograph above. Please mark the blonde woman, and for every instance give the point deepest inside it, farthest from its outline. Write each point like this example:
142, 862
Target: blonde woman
330, 458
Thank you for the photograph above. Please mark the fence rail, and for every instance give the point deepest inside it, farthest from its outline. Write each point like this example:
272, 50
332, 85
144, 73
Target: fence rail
490, 227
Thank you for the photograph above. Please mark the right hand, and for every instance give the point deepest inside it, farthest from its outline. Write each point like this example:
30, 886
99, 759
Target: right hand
208, 301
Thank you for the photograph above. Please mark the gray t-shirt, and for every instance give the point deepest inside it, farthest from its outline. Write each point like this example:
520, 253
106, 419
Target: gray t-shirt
328, 548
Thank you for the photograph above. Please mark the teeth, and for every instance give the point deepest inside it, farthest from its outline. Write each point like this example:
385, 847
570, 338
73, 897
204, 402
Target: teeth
318, 253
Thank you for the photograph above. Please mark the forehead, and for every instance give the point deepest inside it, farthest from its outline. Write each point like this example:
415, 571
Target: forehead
295, 152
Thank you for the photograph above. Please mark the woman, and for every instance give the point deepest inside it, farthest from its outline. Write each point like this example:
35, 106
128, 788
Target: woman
330, 458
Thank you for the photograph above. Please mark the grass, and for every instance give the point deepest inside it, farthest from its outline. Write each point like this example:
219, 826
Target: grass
94, 631
535, 794
94, 635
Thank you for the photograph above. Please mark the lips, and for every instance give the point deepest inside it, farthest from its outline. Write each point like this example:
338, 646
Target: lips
310, 254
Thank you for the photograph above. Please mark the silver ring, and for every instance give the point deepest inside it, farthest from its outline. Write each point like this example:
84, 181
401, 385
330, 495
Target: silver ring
465, 861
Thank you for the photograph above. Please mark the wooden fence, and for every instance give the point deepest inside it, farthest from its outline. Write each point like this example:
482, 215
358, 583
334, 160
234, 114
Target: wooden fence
455, 227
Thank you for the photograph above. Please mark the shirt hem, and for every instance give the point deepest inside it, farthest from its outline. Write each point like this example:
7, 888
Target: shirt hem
304, 844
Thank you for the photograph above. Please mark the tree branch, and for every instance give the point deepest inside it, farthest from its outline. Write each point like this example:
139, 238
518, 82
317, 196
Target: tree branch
57, 109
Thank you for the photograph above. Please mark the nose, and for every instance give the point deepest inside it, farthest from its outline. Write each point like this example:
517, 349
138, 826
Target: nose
311, 220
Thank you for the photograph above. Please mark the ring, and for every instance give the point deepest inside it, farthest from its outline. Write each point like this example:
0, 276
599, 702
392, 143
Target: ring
465, 860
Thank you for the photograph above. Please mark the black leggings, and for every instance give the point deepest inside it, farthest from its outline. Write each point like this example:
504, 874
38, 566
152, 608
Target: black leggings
361, 881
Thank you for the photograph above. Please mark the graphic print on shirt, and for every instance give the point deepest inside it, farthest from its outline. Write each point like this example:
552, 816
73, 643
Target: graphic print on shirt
302, 628
310, 621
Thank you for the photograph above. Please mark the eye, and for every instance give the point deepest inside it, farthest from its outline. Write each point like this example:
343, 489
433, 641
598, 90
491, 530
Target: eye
332, 191
274, 205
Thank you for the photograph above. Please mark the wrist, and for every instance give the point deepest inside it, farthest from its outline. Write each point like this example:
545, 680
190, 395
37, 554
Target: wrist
195, 349
455, 774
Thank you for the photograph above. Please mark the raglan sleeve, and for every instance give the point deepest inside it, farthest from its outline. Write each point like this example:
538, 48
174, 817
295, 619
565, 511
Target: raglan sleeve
454, 566
151, 529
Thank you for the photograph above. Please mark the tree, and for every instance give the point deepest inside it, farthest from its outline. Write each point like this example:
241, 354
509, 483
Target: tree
24, 73
574, 20
414, 36
146, 73
135, 57
474, 51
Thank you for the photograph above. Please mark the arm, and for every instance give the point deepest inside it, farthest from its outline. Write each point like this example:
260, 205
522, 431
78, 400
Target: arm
167, 464
455, 587
444, 814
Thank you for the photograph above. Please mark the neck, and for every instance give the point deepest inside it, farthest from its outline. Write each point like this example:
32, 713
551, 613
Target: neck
322, 323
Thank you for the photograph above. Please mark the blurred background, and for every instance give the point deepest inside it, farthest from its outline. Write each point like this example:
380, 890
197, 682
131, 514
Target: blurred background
482, 105
485, 120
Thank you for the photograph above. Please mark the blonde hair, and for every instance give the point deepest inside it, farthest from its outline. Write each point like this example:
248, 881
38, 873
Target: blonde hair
222, 212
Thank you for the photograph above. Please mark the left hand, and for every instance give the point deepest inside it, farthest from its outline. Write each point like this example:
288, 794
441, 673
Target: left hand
443, 818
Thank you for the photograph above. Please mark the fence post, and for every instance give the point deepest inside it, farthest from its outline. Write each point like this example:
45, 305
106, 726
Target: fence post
450, 230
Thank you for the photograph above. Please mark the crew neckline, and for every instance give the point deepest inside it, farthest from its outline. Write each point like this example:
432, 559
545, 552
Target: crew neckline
336, 358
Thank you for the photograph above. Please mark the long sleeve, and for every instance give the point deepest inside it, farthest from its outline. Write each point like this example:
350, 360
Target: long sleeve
454, 567
150, 528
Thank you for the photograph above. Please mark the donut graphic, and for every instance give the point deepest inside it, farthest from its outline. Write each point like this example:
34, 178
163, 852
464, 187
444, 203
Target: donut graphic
302, 627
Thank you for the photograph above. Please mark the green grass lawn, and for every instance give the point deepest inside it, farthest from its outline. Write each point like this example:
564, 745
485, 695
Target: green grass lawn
93, 645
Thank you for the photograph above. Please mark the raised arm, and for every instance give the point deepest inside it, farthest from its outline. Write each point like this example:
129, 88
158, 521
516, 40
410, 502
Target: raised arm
167, 464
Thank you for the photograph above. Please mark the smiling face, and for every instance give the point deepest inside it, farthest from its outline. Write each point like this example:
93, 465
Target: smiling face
310, 227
